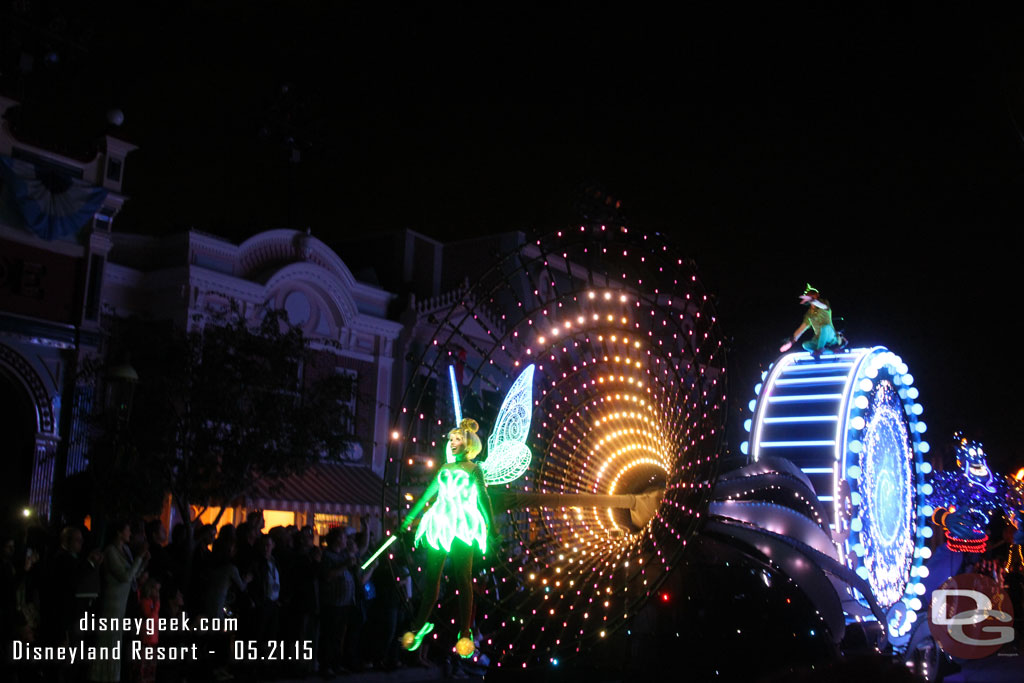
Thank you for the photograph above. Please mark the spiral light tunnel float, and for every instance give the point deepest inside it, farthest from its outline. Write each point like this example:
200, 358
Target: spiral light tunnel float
629, 396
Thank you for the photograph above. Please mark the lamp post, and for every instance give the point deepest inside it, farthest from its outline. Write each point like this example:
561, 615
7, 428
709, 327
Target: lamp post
121, 381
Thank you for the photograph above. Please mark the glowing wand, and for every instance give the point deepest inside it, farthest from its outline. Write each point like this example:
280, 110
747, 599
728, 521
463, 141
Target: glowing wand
455, 395
458, 419
382, 548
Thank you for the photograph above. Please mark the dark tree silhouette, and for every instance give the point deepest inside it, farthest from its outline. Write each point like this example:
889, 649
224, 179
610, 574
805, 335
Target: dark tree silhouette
215, 410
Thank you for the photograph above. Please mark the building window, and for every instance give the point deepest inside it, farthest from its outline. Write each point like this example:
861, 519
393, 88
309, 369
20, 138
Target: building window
94, 290
423, 430
114, 170
208, 515
78, 442
323, 523
273, 518
354, 450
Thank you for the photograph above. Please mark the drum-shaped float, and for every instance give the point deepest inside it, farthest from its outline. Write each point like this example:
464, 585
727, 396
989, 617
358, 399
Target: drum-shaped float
851, 422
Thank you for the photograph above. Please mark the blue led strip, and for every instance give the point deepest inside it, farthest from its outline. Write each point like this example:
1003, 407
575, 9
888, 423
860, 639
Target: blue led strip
762, 405
805, 398
800, 419
800, 381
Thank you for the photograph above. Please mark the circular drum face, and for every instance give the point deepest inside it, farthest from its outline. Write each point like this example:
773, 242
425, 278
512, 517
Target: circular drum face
887, 489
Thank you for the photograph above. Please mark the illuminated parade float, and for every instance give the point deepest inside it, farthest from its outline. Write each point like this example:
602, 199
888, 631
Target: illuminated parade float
611, 532
849, 424
966, 499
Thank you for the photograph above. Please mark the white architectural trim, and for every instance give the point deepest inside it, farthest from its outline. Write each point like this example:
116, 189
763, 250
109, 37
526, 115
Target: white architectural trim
321, 280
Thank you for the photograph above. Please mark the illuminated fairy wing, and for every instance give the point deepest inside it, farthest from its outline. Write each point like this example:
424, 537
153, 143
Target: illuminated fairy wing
507, 453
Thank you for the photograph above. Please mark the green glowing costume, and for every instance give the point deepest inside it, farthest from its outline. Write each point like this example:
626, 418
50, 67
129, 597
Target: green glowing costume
458, 519
458, 511
820, 322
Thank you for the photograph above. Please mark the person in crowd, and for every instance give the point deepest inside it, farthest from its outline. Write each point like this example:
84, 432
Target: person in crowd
305, 594
159, 556
265, 592
202, 558
220, 577
119, 572
337, 601
248, 533
8, 573
357, 645
392, 583
178, 554
149, 606
62, 574
221, 580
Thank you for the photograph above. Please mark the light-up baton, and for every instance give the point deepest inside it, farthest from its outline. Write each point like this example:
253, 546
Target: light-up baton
455, 395
381, 549
458, 420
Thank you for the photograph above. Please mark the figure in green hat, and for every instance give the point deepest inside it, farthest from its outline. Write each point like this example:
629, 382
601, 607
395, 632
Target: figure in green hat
819, 319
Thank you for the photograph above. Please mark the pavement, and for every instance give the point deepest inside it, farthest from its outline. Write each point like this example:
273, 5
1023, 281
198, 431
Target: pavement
405, 674
1006, 667
412, 674
1002, 667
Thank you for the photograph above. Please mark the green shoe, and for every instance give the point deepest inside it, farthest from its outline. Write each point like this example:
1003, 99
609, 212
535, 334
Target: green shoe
411, 641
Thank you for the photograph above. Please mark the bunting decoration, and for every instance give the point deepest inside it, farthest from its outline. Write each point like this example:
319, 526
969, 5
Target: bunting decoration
51, 204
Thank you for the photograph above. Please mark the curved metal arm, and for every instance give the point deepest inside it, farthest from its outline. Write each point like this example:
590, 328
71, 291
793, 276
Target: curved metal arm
642, 507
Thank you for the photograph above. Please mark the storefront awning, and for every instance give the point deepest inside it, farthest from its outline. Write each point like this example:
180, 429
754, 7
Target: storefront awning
324, 488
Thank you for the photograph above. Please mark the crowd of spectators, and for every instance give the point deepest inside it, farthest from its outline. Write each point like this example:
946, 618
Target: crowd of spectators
287, 604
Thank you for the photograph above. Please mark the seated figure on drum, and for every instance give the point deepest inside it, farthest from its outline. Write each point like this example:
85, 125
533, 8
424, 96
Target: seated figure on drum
819, 319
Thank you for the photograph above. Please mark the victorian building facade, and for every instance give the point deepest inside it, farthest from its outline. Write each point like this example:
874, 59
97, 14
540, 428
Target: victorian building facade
66, 274
188, 277
56, 215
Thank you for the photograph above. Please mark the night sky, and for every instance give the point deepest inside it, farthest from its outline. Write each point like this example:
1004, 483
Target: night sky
870, 150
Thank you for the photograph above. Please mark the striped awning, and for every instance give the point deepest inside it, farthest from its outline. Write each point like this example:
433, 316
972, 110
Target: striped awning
325, 488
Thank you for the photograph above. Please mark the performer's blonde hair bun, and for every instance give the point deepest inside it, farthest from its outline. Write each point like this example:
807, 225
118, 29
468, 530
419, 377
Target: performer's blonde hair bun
469, 427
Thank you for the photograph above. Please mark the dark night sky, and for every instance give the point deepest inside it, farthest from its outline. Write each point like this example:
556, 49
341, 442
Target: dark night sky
868, 149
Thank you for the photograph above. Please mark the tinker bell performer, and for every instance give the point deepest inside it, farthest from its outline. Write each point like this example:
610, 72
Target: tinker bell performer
459, 519
461, 516
819, 319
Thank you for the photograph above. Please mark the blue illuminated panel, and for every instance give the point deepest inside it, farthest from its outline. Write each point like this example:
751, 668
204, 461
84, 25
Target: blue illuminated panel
886, 485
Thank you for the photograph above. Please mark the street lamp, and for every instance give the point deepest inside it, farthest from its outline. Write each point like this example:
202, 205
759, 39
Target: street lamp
121, 381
